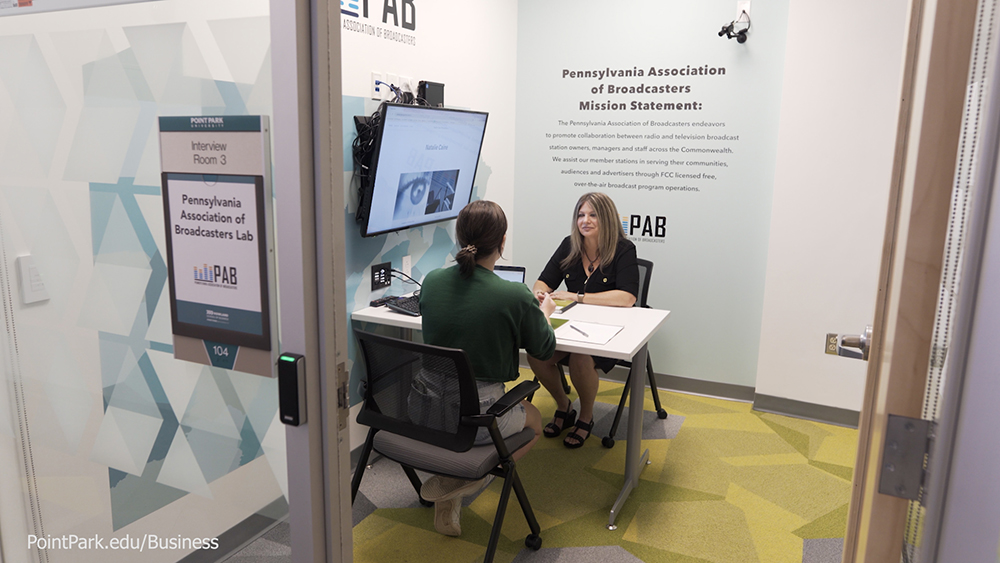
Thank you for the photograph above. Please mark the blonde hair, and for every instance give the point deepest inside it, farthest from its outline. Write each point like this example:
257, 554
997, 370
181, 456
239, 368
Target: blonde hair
609, 230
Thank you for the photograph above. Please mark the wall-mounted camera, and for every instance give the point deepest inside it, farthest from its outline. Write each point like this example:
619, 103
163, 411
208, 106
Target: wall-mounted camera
737, 28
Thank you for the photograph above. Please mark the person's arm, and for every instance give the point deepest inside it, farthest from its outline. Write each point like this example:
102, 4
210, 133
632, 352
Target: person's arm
535, 332
611, 298
548, 306
552, 274
540, 289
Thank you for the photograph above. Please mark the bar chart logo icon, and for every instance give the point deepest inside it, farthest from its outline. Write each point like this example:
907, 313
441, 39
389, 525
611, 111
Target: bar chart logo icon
205, 274
649, 228
350, 7
403, 13
216, 275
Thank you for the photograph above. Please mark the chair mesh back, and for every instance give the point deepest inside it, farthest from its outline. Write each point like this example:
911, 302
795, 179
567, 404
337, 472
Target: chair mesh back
418, 391
645, 273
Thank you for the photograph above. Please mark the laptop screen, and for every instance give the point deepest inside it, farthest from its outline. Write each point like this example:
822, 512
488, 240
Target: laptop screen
510, 273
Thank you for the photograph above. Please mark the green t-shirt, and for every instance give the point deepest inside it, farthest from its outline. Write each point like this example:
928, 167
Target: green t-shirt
488, 317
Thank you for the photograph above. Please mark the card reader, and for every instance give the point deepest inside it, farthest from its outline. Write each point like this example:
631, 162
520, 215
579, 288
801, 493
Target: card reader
292, 388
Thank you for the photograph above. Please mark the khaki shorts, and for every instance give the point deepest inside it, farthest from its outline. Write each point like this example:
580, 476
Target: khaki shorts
510, 423
426, 409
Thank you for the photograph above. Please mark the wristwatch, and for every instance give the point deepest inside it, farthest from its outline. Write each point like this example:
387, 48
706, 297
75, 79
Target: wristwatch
579, 297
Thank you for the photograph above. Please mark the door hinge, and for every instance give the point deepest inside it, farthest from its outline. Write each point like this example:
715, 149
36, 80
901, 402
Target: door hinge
343, 399
905, 456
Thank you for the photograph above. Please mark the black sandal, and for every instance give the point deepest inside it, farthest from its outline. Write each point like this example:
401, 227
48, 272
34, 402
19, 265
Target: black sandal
551, 430
586, 427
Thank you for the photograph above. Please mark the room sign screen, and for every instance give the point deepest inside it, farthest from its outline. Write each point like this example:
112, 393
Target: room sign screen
217, 216
217, 257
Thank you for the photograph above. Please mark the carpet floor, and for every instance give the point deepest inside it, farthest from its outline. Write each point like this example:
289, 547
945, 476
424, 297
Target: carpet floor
725, 484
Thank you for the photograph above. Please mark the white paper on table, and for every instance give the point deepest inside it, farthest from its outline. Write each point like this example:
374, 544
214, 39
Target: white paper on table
595, 333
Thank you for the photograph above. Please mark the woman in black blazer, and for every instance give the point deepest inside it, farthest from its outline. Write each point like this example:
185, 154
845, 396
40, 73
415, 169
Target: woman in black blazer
598, 264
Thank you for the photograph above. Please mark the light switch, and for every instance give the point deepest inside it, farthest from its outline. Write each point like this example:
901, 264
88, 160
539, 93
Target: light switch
32, 286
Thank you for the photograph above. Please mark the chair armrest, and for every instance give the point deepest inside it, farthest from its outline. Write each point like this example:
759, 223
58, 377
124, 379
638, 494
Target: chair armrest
478, 420
513, 397
503, 404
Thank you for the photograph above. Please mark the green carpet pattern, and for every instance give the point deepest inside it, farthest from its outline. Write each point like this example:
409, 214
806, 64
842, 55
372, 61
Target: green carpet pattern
725, 484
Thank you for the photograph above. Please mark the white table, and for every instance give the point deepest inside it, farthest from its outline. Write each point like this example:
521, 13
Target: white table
629, 344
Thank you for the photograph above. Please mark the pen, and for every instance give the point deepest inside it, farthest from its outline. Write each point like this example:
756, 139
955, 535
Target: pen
580, 331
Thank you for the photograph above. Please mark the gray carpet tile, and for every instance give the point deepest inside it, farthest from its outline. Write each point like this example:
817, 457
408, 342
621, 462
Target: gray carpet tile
386, 486
280, 533
262, 547
599, 554
653, 428
240, 558
823, 550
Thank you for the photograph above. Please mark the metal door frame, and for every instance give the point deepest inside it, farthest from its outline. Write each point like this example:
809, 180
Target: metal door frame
933, 92
309, 191
963, 502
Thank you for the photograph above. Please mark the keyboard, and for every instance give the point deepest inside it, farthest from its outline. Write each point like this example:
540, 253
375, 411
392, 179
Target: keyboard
406, 305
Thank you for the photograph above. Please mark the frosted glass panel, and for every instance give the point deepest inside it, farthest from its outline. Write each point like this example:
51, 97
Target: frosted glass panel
119, 437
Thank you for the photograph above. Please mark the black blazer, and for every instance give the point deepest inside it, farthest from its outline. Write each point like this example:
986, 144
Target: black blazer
622, 273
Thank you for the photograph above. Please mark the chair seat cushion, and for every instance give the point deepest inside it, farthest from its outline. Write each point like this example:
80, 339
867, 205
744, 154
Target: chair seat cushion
472, 464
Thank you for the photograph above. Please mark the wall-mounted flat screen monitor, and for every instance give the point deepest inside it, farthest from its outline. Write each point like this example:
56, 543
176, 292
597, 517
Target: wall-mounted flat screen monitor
424, 164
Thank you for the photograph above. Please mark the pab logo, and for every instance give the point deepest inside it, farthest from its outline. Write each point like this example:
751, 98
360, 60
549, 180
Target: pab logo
646, 226
403, 12
215, 275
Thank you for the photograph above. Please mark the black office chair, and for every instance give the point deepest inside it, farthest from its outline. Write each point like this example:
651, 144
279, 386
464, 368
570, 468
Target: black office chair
645, 274
422, 406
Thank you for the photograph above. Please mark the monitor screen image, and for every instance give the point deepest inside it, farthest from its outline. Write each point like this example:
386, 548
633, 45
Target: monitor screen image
424, 164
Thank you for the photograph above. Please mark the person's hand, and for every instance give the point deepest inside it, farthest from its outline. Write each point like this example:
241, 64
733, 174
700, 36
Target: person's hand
564, 295
548, 305
540, 296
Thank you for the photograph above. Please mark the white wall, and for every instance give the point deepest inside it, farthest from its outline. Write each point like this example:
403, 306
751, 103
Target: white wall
710, 256
839, 110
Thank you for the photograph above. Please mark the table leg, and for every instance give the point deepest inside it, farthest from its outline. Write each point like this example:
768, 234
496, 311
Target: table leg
634, 462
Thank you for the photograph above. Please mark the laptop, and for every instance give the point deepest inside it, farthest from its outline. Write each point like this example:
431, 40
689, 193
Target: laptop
510, 273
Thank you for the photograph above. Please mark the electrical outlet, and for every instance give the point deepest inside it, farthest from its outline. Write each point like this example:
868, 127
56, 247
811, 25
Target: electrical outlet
376, 89
394, 80
381, 275
406, 265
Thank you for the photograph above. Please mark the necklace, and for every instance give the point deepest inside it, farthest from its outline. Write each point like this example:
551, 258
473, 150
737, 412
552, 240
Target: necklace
593, 262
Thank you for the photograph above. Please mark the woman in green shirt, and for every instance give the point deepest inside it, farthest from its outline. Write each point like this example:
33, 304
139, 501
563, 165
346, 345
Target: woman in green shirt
467, 306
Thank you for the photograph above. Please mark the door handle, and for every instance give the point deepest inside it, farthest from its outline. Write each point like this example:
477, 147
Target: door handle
841, 344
